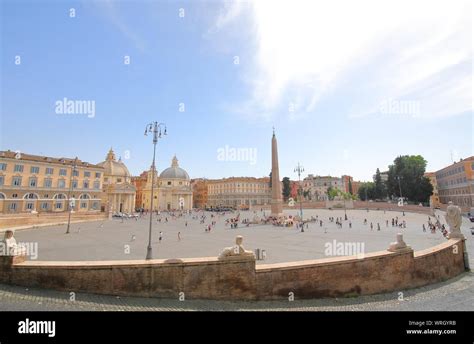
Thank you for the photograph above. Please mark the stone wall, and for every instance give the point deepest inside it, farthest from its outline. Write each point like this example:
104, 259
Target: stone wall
19, 221
237, 278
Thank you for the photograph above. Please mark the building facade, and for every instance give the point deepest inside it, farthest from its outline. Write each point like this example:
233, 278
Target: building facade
316, 187
200, 197
456, 183
239, 192
119, 193
36, 184
171, 189
140, 183
434, 198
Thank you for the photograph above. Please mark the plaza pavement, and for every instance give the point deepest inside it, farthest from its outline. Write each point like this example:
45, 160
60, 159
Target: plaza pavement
456, 294
112, 239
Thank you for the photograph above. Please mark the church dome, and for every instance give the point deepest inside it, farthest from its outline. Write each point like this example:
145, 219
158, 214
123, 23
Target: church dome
113, 167
174, 172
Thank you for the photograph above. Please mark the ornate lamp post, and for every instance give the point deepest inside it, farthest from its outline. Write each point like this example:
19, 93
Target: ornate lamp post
299, 169
155, 128
69, 201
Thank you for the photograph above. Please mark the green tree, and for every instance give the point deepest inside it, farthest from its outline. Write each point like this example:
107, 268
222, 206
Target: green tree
286, 188
380, 190
406, 178
367, 191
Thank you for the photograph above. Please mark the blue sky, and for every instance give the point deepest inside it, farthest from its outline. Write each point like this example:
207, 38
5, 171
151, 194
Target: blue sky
347, 85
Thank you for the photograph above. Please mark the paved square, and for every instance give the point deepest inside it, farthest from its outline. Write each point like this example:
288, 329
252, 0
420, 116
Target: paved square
117, 240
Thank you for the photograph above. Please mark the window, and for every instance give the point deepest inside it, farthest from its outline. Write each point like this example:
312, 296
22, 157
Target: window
2, 180
45, 196
96, 185
34, 169
75, 173
95, 205
59, 205
13, 206
15, 195
63, 172
97, 174
3, 166
48, 182
74, 184
119, 180
32, 182
30, 206
169, 183
49, 170
16, 181
85, 184
83, 205
44, 206
61, 183
87, 174
18, 168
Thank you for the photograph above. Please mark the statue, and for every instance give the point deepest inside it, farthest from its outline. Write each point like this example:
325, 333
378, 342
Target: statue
399, 245
236, 251
454, 221
9, 246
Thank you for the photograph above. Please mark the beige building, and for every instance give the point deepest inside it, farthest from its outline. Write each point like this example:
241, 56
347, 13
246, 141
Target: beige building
317, 186
172, 189
238, 192
455, 183
32, 183
119, 192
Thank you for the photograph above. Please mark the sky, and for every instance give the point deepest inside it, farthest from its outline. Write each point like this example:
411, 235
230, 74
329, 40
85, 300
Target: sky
346, 85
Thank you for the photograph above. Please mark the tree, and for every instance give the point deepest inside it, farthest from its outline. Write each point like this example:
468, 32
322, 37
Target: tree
406, 179
366, 191
380, 190
286, 188
332, 193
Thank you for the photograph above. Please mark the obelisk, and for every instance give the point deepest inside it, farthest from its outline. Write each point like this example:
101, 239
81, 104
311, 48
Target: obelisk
277, 198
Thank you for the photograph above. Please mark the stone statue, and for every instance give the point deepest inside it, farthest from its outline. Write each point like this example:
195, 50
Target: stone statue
9, 246
454, 221
399, 245
236, 251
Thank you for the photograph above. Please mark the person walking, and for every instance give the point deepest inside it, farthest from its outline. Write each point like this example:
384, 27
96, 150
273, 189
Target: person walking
179, 236
161, 237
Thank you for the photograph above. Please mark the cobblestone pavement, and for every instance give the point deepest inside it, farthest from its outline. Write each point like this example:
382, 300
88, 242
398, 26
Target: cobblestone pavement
454, 295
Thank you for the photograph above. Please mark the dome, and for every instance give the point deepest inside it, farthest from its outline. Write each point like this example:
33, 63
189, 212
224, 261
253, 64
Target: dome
113, 167
174, 172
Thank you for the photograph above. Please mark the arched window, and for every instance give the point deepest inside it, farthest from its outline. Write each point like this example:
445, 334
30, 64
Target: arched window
84, 196
59, 196
30, 196
2, 196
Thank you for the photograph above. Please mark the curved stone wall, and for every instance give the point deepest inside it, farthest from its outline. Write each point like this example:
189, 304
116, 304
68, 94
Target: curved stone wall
240, 279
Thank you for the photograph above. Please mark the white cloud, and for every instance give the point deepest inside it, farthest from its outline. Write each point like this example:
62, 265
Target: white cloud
307, 48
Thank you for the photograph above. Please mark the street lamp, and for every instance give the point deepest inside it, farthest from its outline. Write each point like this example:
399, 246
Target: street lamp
70, 202
300, 170
155, 128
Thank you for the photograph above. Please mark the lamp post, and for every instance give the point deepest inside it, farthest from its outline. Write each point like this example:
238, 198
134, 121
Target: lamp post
155, 128
299, 169
69, 201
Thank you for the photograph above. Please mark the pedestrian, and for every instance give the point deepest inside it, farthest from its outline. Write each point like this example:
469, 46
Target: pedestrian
378, 226
161, 237
371, 226
179, 236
